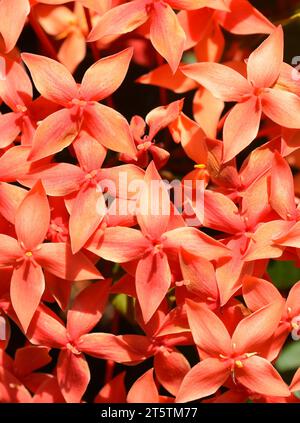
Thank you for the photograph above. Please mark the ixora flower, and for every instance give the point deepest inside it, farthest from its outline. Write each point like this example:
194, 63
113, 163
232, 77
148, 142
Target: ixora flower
160, 236
255, 95
28, 256
81, 110
239, 357
74, 339
163, 22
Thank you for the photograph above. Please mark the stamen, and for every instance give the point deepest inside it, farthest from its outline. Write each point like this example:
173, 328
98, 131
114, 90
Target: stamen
239, 364
200, 166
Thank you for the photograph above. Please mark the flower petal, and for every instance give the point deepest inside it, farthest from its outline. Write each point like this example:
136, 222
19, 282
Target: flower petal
54, 133
152, 279
222, 81
73, 375
119, 244
241, 127
263, 66
282, 107
203, 379
110, 128
105, 76
10, 250
89, 207
87, 309
120, 20
57, 258
170, 369
26, 289
51, 78
33, 217
144, 389
254, 330
258, 375
209, 332
163, 23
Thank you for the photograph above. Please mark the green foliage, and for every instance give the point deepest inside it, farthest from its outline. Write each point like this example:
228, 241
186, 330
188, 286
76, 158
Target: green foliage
284, 274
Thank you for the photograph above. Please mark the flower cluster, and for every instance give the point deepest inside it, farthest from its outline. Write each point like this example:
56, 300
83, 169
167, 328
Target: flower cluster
136, 247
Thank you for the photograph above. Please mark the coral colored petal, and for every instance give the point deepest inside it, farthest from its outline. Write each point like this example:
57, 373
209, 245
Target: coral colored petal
73, 375
9, 128
57, 258
110, 128
90, 154
259, 293
268, 239
153, 206
11, 196
72, 51
14, 164
51, 78
89, 207
195, 242
108, 347
197, 4
120, 20
11, 389
153, 278
47, 329
10, 250
170, 369
105, 76
244, 19
223, 82
48, 392
258, 375
16, 88
282, 107
204, 379
30, 358
144, 389
163, 23
295, 384
192, 137
162, 116
53, 134
241, 127
58, 179
33, 217
263, 66
292, 301
288, 238
87, 309
199, 275
113, 391
282, 195
26, 289
209, 332
221, 213
164, 77
120, 244
253, 331
15, 12
207, 111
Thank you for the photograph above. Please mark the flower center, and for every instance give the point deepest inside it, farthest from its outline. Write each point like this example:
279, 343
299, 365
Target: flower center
21, 108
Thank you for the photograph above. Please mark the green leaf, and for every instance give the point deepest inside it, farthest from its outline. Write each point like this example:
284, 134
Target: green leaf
289, 358
284, 274
121, 302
